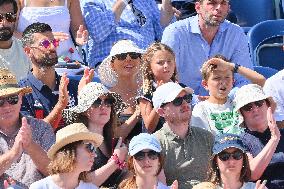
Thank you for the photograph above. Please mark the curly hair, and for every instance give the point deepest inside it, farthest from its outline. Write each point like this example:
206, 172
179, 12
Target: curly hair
147, 75
64, 161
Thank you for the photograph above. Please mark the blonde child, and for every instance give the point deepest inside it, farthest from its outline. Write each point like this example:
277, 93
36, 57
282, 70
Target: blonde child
217, 114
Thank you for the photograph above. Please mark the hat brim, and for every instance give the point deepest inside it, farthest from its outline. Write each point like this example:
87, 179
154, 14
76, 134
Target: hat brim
96, 138
143, 147
250, 100
228, 146
174, 94
15, 90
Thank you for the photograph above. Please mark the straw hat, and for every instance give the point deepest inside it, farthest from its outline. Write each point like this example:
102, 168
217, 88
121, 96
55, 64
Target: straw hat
91, 92
9, 85
73, 133
106, 74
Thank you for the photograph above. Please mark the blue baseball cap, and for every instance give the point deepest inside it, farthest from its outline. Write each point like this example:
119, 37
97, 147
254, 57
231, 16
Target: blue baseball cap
144, 141
227, 140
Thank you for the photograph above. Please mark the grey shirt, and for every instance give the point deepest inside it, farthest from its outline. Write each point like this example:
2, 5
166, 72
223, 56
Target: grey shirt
186, 160
24, 171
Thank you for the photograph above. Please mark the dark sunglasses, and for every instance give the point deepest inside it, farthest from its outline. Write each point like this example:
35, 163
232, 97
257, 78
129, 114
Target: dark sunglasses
178, 100
9, 16
151, 155
12, 100
90, 147
108, 102
249, 107
46, 43
123, 56
236, 155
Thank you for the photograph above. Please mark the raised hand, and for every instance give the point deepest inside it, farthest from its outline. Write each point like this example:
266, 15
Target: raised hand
120, 150
259, 185
174, 185
63, 92
275, 133
87, 78
61, 36
26, 133
82, 36
219, 64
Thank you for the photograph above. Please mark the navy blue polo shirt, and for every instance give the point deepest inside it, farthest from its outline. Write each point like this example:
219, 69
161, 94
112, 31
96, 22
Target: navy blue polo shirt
274, 173
42, 100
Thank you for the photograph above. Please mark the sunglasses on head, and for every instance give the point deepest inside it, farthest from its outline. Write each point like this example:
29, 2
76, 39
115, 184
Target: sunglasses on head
249, 107
236, 155
108, 102
90, 147
151, 155
9, 16
178, 100
12, 100
132, 55
46, 43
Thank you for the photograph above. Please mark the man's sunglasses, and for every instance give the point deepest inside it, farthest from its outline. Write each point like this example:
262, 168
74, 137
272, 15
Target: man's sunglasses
224, 156
9, 16
151, 155
178, 100
123, 56
108, 102
90, 147
46, 43
12, 100
249, 107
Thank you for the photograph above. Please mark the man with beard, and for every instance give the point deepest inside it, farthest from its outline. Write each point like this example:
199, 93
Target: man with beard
198, 38
50, 91
12, 55
186, 149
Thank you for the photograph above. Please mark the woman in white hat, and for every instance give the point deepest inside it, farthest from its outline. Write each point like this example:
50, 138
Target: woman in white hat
145, 164
71, 156
98, 108
121, 72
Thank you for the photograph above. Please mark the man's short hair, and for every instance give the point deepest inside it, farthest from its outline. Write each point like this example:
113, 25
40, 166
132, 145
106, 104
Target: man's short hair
27, 37
13, 2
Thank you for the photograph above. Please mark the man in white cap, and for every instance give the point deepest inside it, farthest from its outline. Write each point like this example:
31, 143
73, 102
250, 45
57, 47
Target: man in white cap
23, 141
187, 149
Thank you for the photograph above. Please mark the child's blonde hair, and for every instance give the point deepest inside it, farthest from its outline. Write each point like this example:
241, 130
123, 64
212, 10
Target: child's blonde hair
147, 74
207, 69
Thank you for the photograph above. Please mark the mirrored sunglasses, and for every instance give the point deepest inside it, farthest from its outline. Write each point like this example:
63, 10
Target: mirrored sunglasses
46, 43
132, 55
9, 16
139, 156
178, 100
90, 147
249, 107
108, 102
12, 100
236, 155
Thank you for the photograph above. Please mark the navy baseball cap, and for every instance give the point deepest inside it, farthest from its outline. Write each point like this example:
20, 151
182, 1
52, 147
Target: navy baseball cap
227, 140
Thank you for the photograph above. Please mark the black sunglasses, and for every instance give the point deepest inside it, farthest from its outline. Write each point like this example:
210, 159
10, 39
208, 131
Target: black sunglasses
108, 102
236, 155
9, 16
90, 147
132, 55
249, 107
12, 100
139, 156
178, 100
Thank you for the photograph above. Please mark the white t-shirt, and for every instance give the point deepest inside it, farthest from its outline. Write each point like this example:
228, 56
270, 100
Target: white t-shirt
247, 185
216, 118
15, 60
274, 86
47, 183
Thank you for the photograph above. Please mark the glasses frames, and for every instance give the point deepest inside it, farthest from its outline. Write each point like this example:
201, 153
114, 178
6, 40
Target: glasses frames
249, 107
142, 155
178, 100
9, 16
108, 102
47, 44
90, 147
12, 100
225, 156
123, 56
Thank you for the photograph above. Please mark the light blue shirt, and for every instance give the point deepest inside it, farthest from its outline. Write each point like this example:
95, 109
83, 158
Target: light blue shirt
192, 50
104, 31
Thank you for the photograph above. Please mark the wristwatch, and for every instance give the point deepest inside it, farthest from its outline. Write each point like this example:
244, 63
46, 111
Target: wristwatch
236, 68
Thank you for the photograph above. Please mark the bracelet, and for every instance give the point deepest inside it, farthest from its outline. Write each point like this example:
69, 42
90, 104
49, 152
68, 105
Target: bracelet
121, 164
236, 68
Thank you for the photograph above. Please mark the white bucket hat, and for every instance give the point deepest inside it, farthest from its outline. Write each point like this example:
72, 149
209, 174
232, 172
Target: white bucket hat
73, 133
106, 74
91, 92
247, 94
